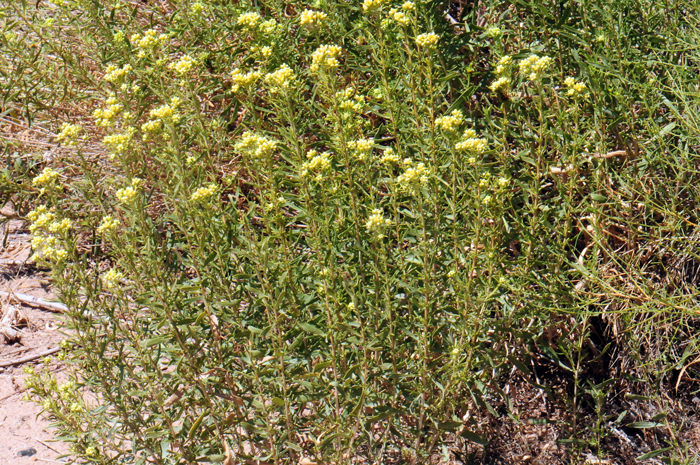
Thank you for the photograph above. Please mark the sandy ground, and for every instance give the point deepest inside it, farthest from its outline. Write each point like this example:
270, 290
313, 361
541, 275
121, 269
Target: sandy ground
22, 430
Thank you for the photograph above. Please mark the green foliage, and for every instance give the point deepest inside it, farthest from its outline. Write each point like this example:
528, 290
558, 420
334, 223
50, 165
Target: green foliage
284, 234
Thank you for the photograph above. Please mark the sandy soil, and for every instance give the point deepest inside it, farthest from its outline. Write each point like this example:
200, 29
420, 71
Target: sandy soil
21, 427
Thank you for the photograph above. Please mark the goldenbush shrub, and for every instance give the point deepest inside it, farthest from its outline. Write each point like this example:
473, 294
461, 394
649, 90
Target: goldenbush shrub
329, 231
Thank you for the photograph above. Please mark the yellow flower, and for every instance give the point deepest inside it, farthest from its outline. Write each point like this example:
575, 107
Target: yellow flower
108, 225
69, 133
494, 32
183, 65
119, 142
413, 176
325, 56
196, 9
281, 80
152, 126
149, 40
163, 112
450, 123
249, 21
126, 194
317, 162
376, 223
427, 40
389, 157
472, 145
575, 88
369, 6
112, 278
117, 75
204, 193
312, 19
241, 79
255, 146
534, 66
361, 148
47, 176
501, 84
60, 227
400, 17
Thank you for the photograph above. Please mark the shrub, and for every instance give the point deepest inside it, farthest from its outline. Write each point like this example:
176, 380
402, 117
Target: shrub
330, 231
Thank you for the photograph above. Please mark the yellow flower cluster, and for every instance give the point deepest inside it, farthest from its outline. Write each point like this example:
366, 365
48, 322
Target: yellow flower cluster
376, 223
105, 116
112, 278
69, 134
183, 65
148, 40
120, 38
313, 19
249, 20
241, 79
325, 56
47, 176
47, 247
197, 8
128, 194
389, 157
413, 176
408, 6
349, 102
281, 80
268, 27
575, 88
116, 75
152, 126
108, 225
318, 162
60, 227
164, 112
265, 51
503, 64
534, 66
255, 146
118, 143
369, 6
204, 193
427, 40
361, 148
485, 180
472, 144
400, 16
502, 84
451, 122
494, 32
40, 218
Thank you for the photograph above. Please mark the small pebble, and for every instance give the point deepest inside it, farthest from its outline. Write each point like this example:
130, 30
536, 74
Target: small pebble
27, 452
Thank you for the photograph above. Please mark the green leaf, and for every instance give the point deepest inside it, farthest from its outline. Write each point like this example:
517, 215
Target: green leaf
450, 425
644, 424
154, 341
652, 454
473, 437
196, 424
309, 328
